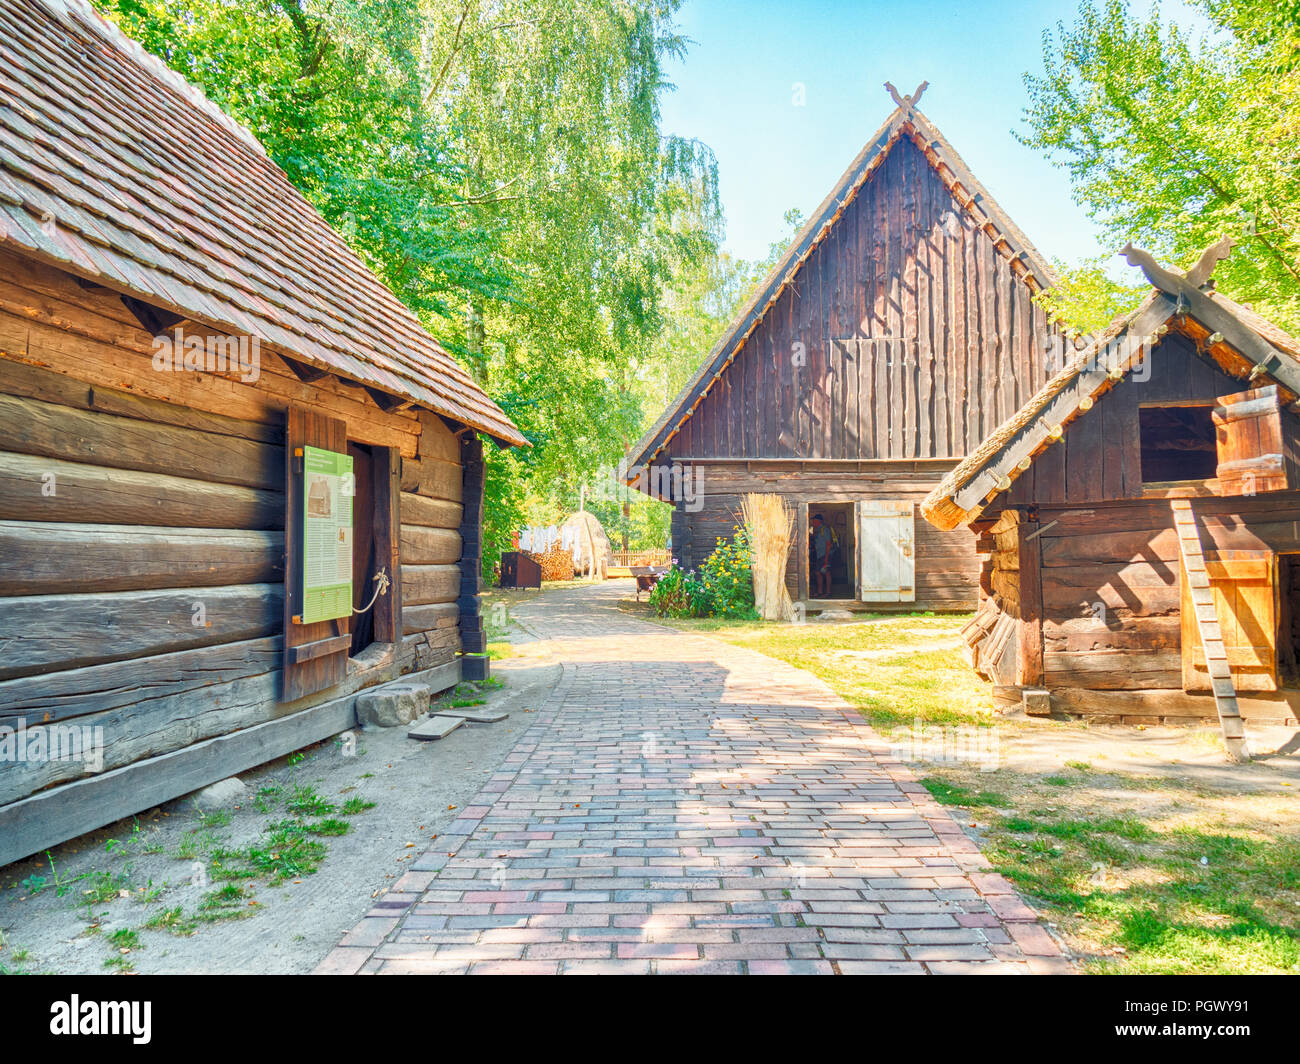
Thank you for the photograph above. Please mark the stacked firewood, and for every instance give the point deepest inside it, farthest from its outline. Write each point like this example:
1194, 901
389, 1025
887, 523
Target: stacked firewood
556, 563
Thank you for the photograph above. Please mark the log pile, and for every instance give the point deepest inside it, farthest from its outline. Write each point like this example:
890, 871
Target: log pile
556, 563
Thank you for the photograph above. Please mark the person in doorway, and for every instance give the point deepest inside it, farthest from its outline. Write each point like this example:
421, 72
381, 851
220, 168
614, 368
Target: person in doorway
820, 550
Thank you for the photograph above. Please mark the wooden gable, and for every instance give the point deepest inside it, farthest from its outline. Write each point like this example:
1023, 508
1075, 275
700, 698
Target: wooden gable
905, 333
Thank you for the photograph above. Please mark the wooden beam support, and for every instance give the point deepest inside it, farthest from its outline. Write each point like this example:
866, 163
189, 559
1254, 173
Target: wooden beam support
305, 373
1030, 636
386, 402
152, 318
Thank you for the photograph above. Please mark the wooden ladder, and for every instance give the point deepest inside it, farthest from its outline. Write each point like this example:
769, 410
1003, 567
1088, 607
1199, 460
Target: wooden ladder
1207, 623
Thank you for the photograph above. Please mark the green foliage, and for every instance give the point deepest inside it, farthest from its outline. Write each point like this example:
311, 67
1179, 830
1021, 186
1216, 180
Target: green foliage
1173, 142
724, 586
1085, 299
501, 166
679, 593
727, 579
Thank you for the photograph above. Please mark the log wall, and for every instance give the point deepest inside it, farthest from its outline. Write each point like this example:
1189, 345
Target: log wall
1110, 601
142, 534
947, 569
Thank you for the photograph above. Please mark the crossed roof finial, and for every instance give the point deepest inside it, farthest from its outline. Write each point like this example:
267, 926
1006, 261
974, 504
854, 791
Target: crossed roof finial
906, 101
1201, 274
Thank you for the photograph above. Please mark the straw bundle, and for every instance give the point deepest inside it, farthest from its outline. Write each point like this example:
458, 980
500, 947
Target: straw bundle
770, 525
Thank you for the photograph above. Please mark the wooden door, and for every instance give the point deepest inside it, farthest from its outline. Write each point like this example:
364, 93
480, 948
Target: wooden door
886, 551
1245, 602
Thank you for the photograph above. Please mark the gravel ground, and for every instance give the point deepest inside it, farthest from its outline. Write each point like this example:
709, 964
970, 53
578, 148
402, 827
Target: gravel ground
119, 878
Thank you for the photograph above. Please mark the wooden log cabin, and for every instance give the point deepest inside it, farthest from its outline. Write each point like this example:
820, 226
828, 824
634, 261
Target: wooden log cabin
1139, 520
897, 331
180, 335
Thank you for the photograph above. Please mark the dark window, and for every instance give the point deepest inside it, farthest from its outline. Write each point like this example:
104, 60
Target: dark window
1178, 443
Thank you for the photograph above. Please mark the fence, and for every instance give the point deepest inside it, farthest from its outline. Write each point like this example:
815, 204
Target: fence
622, 559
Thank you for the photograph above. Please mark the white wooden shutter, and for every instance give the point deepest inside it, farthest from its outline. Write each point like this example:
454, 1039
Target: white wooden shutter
886, 551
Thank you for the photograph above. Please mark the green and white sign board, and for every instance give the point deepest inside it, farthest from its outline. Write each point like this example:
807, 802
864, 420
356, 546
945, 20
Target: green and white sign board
328, 487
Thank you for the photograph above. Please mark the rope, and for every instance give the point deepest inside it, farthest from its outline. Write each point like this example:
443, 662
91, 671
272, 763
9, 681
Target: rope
381, 578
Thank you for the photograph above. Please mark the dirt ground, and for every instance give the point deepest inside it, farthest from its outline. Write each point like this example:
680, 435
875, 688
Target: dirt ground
100, 890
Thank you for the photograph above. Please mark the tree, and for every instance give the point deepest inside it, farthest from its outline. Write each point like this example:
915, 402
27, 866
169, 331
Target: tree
1173, 142
499, 163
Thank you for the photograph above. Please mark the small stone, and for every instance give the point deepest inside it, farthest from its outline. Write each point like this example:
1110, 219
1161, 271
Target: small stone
392, 705
222, 793
833, 617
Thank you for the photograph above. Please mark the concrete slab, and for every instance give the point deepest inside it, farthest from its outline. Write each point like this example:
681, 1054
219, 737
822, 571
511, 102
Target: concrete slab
475, 714
437, 726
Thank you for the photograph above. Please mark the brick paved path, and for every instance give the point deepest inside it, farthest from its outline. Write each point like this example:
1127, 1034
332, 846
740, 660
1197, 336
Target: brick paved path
681, 805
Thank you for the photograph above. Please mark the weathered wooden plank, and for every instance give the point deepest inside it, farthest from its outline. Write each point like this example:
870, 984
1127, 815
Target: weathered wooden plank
1115, 669
422, 584
54, 558
432, 477
422, 545
36, 382
61, 813
430, 617
1030, 634
49, 430
48, 489
45, 632
1162, 704
68, 693
430, 513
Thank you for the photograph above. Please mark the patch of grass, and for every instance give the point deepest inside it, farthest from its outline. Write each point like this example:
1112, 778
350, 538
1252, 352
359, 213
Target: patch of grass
173, 920
125, 938
105, 886
218, 818
306, 802
886, 665
500, 651
195, 844
354, 806
330, 826
268, 798
121, 962
225, 903
462, 703
947, 794
1079, 766
1209, 883
285, 852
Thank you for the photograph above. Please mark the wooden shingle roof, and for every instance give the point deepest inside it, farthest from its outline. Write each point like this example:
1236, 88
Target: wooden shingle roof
1242, 343
114, 168
905, 121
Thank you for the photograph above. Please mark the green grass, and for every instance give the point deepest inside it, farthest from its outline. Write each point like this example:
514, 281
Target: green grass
947, 794
306, 802
1210, 885
869, 664
354, 806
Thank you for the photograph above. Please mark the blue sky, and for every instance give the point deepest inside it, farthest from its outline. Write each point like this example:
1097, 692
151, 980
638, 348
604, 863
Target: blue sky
735, 91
